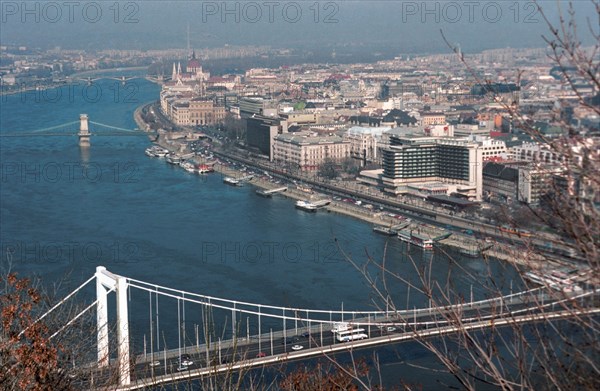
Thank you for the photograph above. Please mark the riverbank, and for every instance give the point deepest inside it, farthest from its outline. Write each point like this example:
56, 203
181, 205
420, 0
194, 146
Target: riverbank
107, 70
137, 117
510, 252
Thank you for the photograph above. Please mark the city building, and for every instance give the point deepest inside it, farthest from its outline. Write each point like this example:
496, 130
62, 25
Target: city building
261, 132
193, 71
433, 118
500, 182
257, 106
466, 130
203, 111
490, 149
180, 112
185, 110
365, 142
536, 181
413, 162
306, 151
301, 118
534, 152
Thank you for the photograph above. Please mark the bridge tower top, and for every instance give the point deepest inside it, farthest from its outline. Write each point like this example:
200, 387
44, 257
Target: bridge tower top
84, 131
83, 124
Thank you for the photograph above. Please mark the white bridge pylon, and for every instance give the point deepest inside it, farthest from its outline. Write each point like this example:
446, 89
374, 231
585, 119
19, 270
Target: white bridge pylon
105, 282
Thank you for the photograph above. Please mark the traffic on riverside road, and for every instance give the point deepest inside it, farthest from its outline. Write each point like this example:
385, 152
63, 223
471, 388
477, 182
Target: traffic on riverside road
366, 199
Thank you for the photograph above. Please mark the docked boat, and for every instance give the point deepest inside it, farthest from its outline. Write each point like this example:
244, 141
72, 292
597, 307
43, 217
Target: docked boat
231, 181
188, 166
412, 238
161, 152
306, 206
263, 193
173, 159
205, 169
156, 151
385, 230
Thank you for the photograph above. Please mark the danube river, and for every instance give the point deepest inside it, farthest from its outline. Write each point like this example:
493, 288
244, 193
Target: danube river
65, 211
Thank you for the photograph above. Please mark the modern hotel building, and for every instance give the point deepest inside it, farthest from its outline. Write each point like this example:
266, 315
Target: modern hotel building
432, 165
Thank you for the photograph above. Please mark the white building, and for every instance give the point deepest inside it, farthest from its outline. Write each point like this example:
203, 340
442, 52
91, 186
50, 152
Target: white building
490, 148
364, 141
535, 181
307, 151
534, 152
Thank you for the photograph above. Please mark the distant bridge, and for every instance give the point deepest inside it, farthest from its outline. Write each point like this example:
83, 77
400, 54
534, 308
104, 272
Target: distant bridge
83, 131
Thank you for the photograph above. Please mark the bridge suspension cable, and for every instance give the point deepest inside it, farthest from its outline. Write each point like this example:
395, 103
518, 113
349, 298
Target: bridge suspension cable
179, 293
58, 304
287, 312
77, 316
55, 127
39, 130
114, 127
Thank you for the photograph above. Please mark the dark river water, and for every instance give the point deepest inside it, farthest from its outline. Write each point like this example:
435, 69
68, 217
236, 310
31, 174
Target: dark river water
65, 211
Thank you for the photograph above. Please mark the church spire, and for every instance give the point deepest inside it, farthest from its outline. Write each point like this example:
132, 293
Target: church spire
174, 74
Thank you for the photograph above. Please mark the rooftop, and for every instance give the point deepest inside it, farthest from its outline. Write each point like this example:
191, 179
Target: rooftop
307, 138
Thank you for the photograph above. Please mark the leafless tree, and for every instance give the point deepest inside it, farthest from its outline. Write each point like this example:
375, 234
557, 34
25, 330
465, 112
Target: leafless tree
549, 353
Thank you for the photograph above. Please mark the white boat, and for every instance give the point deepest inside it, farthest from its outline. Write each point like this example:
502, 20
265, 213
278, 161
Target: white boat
156, 151
409, 237
161, 152
188, 166
385, 230
173, 159
231, 181
306, 206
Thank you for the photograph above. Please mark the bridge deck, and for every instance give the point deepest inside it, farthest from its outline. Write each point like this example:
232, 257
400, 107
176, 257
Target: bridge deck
245, 362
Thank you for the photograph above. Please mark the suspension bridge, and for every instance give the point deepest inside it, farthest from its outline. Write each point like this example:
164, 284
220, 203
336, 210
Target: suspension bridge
80, 129
231, 335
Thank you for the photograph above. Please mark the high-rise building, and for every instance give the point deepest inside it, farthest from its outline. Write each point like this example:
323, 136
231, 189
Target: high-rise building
412, 160
260, 133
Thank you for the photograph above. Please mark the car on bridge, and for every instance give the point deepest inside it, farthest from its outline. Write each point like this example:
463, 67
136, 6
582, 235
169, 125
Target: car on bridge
297, 347
186, 363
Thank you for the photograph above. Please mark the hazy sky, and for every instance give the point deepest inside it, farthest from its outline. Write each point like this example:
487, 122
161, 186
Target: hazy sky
400, 26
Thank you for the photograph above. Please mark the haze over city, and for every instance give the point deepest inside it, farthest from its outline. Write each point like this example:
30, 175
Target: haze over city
374, 26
